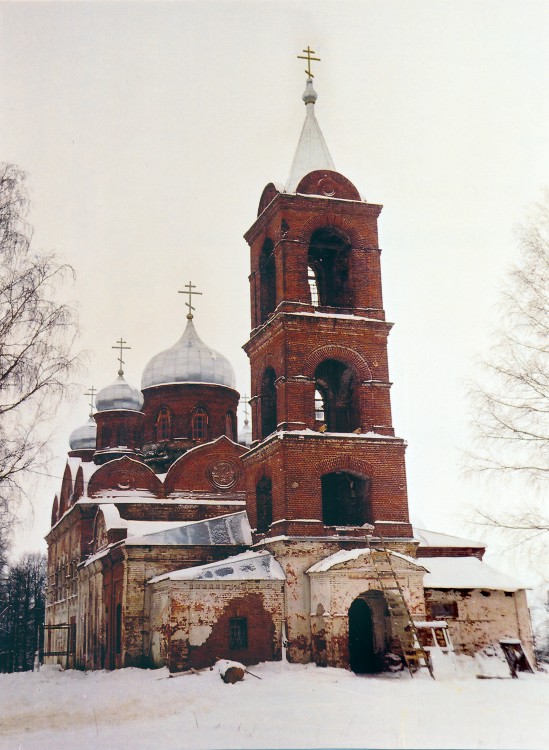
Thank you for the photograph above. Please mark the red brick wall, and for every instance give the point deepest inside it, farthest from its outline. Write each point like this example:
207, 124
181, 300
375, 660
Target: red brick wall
182, 399
296, 464
211, 468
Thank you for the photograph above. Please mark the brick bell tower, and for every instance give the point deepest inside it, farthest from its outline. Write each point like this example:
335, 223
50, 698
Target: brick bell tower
324, 462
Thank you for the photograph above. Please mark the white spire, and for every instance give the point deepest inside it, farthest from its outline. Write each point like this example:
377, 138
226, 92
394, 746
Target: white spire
312, 152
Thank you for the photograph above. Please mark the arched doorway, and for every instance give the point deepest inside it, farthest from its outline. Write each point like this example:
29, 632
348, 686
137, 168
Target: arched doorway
368, 636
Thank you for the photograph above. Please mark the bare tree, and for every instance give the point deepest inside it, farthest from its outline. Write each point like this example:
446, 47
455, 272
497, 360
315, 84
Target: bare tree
36, 340
22, 607
511, 407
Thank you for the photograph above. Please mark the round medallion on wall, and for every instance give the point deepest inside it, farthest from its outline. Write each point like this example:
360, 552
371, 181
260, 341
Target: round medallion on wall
223, 474
327, 186
124, 482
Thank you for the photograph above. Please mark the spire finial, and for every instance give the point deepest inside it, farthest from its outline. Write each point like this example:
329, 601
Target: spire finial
91, 393
308, 56
120, 345
189, 290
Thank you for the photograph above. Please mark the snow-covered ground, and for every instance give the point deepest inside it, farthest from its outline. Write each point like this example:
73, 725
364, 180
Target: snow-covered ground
291, 706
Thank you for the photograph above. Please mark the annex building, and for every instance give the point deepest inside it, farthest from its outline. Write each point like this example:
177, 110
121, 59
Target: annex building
176, 540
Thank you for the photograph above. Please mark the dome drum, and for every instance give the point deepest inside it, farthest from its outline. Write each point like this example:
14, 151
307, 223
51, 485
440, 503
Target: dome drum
119, 432
186, 414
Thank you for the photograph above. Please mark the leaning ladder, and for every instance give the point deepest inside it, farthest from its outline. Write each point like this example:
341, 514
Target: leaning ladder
404, 628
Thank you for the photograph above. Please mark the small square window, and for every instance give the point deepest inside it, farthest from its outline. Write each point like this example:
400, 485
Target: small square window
443, 610
238, 633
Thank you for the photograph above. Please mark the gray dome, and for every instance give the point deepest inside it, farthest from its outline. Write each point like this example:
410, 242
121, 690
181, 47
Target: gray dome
83, 438
119, 395
245, 434
189, 360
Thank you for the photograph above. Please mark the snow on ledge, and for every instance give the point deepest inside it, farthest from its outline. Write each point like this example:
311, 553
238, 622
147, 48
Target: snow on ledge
344, 556
246, 566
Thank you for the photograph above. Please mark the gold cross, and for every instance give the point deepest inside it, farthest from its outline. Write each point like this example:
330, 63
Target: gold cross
307, 56
91, 393
120, 345
189, 287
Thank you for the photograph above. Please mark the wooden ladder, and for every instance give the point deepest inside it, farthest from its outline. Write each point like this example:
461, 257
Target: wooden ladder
403, 626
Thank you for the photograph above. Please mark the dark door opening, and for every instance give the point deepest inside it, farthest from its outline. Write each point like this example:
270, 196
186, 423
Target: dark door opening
362, 654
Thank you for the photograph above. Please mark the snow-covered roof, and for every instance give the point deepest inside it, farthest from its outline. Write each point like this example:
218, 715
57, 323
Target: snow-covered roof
113, 520
255, 566
346, 555
465, 573
73, 462
312, 152
88, 470
436, 539
230, 529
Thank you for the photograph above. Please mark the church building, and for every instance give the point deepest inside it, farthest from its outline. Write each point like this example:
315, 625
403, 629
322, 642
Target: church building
176, 540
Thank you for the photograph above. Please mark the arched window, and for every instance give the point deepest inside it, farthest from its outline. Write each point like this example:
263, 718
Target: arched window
335, 388
106, 436
264, 504
267, 278
268, 403
313, 286
328, 263
200, 423
230, 425
163, 424
121, 435
345, 499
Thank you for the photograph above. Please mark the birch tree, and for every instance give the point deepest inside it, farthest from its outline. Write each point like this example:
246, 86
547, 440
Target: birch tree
37, 334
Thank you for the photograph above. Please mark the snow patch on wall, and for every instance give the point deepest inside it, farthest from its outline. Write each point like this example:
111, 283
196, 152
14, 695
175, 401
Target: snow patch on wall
199, 634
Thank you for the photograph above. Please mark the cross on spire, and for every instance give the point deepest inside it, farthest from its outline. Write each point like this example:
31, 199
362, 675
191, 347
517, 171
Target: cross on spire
308, 56
189, 290
120, 346
91, 393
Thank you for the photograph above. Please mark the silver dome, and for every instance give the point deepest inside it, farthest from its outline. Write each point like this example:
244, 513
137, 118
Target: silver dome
189, 360
84, 437
119, 395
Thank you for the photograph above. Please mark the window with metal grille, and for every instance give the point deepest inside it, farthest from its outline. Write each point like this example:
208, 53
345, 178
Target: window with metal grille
238, 633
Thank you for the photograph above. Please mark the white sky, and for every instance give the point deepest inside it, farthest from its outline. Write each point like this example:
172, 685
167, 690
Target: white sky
148, 131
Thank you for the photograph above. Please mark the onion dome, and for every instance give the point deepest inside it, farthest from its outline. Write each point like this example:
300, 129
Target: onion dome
189, 360
84, 437
119, 395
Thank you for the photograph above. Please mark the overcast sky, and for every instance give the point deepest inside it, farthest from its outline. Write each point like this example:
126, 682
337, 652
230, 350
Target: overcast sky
148, 131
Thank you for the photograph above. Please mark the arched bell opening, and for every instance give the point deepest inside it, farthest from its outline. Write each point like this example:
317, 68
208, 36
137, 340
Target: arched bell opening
336, 397
268, 403
346, 499
369, 633
267, 281
264, 504
328, 268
